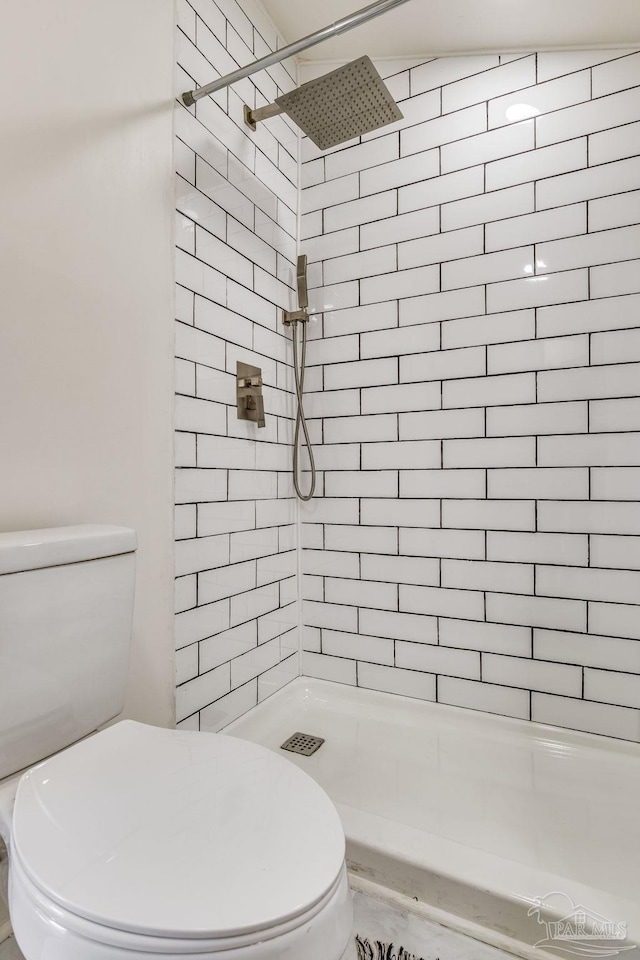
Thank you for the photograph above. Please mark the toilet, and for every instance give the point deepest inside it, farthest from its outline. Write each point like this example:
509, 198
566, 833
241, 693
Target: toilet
137, 842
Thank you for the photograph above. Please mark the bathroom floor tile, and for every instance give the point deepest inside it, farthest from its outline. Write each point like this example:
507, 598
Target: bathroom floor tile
422, 939
377, 921
9, 950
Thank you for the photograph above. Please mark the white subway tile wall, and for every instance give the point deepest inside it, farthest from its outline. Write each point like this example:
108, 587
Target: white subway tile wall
236, 588
476, 376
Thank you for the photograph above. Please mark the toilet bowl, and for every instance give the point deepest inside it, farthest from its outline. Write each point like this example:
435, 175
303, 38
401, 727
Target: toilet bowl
142, 843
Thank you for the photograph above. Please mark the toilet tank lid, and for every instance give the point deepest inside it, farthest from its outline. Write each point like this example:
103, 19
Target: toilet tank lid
54, 546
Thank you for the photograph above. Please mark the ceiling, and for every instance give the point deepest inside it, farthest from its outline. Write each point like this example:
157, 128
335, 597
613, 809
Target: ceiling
422, 28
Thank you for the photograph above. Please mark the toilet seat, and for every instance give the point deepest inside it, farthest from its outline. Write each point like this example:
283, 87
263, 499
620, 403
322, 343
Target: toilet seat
177, 843
37, 921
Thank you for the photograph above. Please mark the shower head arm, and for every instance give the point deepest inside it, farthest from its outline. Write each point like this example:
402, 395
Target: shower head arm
253, 117
333, 30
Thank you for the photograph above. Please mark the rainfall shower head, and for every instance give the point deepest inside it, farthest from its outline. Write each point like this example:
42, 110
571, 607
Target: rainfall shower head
337, 107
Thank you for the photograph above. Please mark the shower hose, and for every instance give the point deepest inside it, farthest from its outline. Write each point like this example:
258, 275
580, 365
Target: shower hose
298, 370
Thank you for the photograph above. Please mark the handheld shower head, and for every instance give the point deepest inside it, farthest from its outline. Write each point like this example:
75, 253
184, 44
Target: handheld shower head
292, 319
301, 276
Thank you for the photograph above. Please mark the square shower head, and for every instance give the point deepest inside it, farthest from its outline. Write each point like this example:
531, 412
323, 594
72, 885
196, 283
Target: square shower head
341, 105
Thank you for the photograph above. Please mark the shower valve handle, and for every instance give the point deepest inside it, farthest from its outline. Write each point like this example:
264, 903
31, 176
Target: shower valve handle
249, 399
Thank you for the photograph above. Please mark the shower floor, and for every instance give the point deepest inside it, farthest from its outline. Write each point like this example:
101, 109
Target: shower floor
475, 818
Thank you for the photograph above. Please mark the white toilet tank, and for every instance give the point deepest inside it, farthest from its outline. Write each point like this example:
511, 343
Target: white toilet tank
66, 606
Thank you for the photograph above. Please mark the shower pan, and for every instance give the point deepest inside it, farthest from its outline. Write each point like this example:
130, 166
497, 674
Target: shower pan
488, 825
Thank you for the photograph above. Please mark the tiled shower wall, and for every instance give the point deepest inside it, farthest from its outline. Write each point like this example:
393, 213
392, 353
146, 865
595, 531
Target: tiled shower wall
474, 387
236, 626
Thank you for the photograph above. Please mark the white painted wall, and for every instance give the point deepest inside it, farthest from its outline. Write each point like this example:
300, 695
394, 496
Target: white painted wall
86, 337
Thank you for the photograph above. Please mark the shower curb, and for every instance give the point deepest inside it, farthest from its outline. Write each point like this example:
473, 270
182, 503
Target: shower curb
467, 928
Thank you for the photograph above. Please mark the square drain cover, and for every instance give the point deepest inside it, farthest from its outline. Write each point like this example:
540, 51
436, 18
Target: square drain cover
303, 743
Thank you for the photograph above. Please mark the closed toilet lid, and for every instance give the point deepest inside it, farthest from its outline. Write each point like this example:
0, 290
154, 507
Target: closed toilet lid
177, 834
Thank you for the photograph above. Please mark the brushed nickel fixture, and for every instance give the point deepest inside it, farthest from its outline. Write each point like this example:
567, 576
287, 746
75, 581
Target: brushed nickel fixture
336, 107
303, 743
249, 399
291, 318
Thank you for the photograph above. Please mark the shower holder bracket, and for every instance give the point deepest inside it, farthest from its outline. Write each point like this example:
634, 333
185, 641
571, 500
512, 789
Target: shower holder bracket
289, 317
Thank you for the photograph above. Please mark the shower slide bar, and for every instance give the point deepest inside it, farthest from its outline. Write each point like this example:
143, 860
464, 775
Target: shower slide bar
333, 30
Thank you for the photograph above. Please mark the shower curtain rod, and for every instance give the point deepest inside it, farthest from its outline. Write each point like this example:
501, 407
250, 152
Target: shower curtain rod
333, 30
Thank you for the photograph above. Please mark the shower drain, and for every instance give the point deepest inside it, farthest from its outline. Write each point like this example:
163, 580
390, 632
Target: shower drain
303, 743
